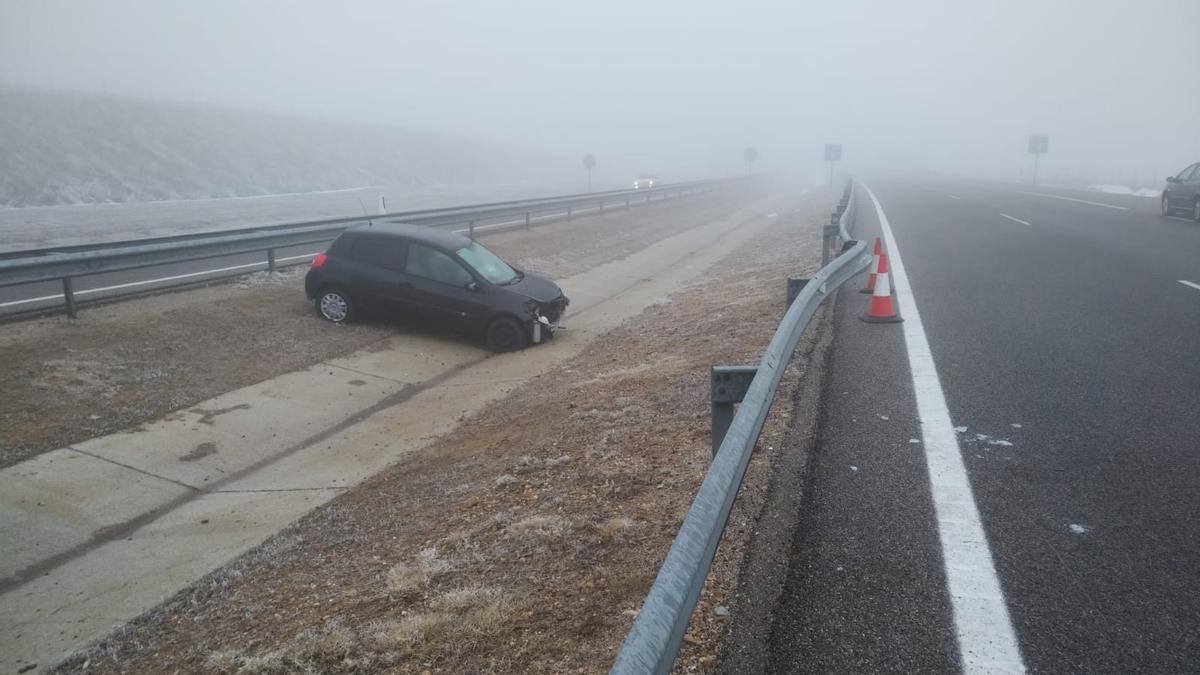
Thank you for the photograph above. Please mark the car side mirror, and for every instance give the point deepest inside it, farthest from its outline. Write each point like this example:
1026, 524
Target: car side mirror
473, 287
1172, 179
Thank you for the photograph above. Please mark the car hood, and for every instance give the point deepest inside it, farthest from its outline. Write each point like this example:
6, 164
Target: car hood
536, 288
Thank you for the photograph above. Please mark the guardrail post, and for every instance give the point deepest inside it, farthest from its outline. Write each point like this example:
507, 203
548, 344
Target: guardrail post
69, 296
601, 207
728, 385
526, 220
627, 202
830, 234
270, 260
471, 230
568, 213
794, 286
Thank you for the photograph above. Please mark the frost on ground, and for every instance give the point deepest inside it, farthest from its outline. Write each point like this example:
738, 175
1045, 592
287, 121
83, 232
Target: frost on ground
1125, 190
525, 541
291, 277
124, 364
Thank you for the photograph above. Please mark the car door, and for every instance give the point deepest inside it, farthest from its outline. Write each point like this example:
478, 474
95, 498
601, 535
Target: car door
441, 287
1183, 190
376, 272
1190, 188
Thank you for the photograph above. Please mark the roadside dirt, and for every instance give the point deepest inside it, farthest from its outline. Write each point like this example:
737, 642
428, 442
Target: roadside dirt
123, 364
526, 540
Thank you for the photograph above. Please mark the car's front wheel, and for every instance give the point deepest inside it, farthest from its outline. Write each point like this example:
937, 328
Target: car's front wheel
1166, 205
506, 334
333, 304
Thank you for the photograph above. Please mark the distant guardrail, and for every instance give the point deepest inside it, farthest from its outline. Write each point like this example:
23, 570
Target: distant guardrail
653, 641
65, 264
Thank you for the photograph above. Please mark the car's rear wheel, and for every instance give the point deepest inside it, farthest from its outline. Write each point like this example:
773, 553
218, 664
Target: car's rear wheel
506, 334
1166, 205
333, 304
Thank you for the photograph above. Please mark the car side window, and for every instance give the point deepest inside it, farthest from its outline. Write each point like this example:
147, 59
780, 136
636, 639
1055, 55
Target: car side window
1189, 174
385, 252
431, 263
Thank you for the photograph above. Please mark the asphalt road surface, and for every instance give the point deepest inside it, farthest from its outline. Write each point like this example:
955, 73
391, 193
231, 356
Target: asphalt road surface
1056, 413
36, 227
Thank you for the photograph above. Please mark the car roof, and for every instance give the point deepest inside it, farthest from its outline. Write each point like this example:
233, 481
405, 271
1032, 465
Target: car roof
438, 238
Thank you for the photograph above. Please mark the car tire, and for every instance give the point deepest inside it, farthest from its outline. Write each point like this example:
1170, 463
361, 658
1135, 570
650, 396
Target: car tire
1196, 210
333, 304
506, 334
1166, 205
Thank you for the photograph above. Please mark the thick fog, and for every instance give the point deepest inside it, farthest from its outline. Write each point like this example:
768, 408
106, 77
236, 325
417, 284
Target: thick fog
673, 86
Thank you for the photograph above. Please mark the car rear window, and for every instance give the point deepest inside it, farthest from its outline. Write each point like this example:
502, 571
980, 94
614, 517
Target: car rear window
386, 252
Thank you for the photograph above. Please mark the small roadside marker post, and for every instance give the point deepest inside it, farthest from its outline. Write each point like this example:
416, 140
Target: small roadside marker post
1038, 146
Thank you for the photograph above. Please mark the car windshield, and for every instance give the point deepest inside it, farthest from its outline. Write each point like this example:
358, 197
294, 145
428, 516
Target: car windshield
487, 264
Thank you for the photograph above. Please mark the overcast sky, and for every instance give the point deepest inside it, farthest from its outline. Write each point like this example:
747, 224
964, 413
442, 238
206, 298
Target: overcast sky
670, 85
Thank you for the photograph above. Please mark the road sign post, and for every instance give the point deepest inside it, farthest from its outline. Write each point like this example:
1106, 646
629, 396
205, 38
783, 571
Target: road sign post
833, 153
1038, 145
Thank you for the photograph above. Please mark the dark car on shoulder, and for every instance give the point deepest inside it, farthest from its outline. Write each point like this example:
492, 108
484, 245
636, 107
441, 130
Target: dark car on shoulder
1182, 193
435, 277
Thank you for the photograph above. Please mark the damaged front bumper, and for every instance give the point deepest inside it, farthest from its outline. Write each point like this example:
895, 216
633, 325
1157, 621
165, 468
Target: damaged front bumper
545, 318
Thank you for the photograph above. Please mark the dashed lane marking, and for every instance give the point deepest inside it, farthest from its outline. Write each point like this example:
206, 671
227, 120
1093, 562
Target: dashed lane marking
1015, 220
1072, 199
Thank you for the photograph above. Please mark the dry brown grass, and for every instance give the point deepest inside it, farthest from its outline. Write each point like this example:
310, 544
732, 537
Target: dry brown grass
538, 529
415, 576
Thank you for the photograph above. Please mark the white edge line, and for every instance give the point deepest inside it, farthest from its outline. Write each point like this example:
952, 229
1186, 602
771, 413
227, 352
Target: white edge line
1190, 283
1072, 199
147, 282
1015, 220
954, 197
987, 642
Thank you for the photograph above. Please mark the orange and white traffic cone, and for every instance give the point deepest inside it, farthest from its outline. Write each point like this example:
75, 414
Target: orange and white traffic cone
874, 267
882, 309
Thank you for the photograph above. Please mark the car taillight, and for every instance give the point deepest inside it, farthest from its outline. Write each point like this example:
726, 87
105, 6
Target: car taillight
318, 260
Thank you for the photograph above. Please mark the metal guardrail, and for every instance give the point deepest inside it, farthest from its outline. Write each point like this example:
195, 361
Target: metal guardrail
654, 639
68, 263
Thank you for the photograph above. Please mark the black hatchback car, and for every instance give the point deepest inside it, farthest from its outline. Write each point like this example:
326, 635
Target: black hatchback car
437, 277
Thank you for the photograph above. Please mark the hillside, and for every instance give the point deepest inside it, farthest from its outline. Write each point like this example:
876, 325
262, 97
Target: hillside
84, 148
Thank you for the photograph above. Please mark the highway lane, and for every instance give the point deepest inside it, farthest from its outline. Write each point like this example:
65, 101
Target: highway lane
76, 224
1068, 351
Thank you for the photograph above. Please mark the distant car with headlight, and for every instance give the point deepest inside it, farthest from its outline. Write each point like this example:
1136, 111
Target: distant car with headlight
644, 181
433, 276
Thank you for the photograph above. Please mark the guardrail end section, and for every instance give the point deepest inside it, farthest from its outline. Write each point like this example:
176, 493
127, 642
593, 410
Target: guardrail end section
727, 386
